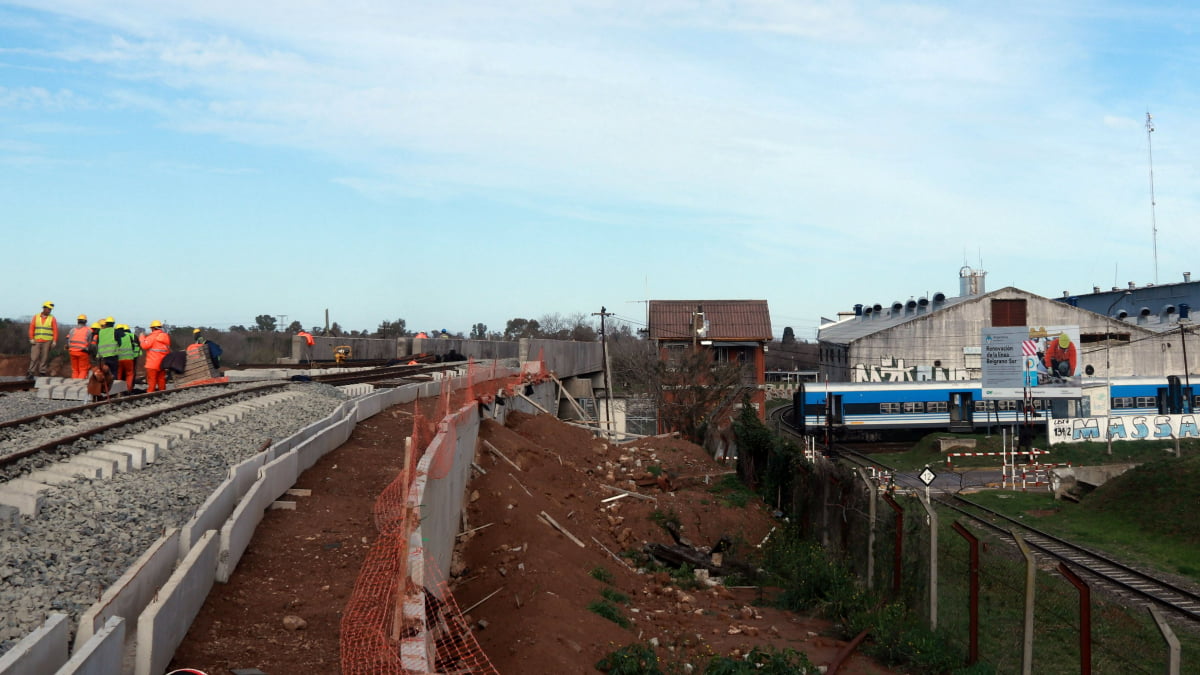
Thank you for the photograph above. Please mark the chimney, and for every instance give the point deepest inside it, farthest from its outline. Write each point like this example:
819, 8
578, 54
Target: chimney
1187, 277
1095, 289
1132, 285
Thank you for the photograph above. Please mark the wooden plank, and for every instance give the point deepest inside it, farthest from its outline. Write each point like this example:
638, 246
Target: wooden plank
493, 448
562, 529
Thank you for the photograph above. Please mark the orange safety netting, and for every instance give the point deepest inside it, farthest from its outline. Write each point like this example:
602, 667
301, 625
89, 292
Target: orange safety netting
402, 617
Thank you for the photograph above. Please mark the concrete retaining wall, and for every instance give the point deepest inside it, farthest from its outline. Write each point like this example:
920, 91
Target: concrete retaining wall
134, 590
42, 651
165, 622
100, 652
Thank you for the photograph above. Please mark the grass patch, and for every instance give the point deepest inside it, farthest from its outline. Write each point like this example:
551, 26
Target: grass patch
613, 595
662, 518
634, 659
600, 573
1157, 497
927, 451
609, 611
654, 470
732, 491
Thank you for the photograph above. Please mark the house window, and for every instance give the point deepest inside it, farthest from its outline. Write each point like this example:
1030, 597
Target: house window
674, 355
1008, 312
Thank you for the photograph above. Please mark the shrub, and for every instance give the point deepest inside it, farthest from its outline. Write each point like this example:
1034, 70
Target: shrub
609, 611
634, 659
599, 573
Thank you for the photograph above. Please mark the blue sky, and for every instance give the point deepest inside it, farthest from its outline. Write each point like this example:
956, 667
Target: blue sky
453, 163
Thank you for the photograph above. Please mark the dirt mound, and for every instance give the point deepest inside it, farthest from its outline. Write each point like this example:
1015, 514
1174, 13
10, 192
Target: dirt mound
544, 617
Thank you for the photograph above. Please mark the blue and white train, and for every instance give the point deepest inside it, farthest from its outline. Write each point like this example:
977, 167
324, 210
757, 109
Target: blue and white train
866, 409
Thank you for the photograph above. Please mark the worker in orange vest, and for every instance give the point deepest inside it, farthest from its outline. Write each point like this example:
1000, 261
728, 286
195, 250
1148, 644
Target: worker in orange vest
156, 344
80, 344
43, 333
305, 346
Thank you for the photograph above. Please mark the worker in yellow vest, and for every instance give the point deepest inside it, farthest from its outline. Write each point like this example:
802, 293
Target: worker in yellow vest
128, 350
43, 333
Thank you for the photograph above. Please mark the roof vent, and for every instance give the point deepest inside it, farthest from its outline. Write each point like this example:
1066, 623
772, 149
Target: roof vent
878, 309
1184, 308
939, 298
1168, 310
1121, 314
896, 307
1187, 277
1132, 285
1145, 311
858, 310
910, 306
1095, 289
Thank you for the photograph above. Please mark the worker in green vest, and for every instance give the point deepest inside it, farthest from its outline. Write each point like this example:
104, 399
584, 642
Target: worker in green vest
106, 345
128, 350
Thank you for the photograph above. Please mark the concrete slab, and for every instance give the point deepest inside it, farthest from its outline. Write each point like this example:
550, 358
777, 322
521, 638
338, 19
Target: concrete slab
107, 467
9, 515
27, 486
27, 504
176, 430
164, 441
195, 427
273, 480
51, 477
123, 460
130, 594
101, 654
165, 622
211, 515
150, 448
73, 470
42, 651
136, 454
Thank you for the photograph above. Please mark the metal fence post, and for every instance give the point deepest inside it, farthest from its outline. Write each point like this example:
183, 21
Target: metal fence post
870, 528
1169, 636
898, 549
1085, 618
973, 603
1030, 586
933, 560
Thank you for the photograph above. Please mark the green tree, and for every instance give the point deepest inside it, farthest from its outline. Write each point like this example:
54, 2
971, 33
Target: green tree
789, 336
265, 323
391, 329
519, 328
294, 327
479, 332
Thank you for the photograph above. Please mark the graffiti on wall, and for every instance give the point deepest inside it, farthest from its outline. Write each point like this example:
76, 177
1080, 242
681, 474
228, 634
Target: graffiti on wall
891, 369
1132, 428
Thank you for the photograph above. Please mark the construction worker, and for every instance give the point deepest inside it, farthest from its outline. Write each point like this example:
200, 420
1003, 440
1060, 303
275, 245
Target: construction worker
156, 344
106, 344
1061, 357
80, 344
128, 350
306, 346
43, 333
422, 335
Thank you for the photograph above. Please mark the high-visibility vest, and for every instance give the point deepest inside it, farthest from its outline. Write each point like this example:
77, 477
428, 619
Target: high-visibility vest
80, 338
44, 328
127, 348
106, 343
157, 345
196, 347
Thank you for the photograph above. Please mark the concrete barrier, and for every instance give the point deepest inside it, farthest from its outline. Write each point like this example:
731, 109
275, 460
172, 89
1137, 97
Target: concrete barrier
42, 651
165, 622
97, 655
274, 479
134, 590
211, 515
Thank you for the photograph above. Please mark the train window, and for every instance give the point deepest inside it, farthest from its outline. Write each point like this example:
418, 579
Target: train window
984, 406
1146, 402
889, 408
914, 406
1122, 402
938, 406
1006, 405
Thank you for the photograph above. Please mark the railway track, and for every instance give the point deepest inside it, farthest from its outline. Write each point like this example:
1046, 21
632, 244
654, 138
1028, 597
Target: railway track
53, 433
1125, 580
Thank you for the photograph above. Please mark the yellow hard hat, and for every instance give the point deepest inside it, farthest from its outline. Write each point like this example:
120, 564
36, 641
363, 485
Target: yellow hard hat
96, 325
122, 326
81, 317
109, 319
48, 304
195, 330
156, 324
1063, 340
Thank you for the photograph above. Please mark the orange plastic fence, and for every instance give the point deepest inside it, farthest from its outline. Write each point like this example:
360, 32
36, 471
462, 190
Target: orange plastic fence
383, 627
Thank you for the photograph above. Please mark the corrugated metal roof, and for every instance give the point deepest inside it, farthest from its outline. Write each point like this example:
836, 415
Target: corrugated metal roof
847, 331
727, 319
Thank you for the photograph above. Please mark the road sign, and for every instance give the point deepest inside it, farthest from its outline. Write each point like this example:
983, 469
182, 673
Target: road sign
927, 476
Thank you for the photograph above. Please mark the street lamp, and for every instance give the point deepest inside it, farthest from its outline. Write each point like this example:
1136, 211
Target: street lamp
1108, 372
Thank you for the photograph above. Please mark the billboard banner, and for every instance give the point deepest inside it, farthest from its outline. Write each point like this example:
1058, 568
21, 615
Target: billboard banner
1041, 359
1123, 428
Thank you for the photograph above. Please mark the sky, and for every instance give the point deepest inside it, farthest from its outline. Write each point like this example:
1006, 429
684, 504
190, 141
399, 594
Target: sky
453, 163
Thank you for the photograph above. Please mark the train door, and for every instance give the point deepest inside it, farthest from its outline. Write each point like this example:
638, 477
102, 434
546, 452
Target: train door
834, 409
962, 410
1174, 399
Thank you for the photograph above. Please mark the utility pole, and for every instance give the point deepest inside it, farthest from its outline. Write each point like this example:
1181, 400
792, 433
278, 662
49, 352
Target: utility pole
603, 313
1153, 220
697, 324
282, 321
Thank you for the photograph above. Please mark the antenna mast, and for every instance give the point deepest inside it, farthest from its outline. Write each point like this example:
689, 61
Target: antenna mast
1153, 220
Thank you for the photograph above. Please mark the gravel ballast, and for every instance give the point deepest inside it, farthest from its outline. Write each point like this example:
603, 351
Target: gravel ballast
89, 532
